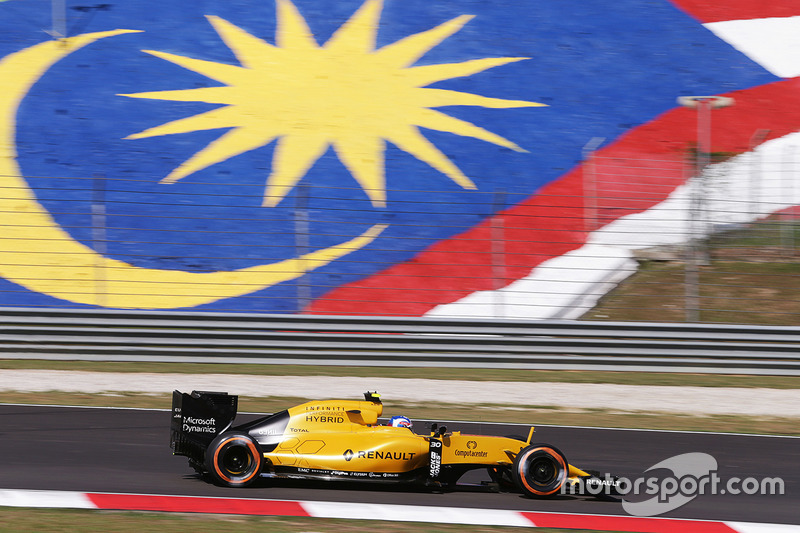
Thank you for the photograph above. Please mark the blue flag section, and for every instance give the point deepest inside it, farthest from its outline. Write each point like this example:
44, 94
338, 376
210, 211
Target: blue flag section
185, 162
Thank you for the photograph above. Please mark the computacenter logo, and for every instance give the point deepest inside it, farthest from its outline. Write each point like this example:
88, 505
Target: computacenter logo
693, 474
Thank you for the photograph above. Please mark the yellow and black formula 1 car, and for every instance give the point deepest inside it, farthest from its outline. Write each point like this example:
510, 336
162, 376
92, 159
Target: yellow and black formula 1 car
342, 440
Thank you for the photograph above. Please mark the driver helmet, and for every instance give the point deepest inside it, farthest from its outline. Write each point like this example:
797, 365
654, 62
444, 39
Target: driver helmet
400, 422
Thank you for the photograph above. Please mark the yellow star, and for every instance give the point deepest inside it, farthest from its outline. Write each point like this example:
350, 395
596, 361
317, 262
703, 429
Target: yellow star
344, 94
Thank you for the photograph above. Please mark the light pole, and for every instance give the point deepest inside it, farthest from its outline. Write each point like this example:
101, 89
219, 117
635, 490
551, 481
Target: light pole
696, 248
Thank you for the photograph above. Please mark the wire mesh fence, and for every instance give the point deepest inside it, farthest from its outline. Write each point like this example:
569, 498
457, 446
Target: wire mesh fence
721, 247
734, 255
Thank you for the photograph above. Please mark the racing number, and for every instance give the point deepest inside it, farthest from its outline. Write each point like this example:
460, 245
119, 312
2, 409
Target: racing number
436, 458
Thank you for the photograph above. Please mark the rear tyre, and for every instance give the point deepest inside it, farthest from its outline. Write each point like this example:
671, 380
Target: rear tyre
234, 459
540, 470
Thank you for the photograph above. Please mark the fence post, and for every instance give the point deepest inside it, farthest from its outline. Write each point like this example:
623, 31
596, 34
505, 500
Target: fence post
58, 14
498, 247
787, 217
301, 245
590, 184
755, 172
99, 234
697, 249
691, 270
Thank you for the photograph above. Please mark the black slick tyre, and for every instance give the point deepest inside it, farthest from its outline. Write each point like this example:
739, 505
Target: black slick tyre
234, 459
540, 470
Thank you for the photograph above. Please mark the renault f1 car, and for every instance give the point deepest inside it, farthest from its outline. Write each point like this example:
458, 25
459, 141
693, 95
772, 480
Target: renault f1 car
342, 440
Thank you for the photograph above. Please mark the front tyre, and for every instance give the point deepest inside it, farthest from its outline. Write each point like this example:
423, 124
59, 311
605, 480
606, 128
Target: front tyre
234, 459
540, 470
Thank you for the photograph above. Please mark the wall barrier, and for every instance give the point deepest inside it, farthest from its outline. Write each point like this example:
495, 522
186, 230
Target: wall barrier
139, 336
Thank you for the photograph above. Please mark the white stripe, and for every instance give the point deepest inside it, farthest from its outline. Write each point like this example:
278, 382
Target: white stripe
651, 398
45, 498
746, 527
554, 289
416, 513
362, 511
453, 422
773, 43
747, 187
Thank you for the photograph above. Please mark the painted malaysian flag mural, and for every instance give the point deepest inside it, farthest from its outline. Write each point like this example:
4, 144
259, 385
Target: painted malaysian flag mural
373, 129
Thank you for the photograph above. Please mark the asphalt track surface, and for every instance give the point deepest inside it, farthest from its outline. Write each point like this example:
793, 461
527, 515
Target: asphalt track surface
127, 451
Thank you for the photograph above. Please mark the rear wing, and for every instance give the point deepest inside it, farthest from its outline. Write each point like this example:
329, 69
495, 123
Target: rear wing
197, 418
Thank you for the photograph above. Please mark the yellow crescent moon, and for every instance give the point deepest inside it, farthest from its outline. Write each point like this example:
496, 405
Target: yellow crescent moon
37, 253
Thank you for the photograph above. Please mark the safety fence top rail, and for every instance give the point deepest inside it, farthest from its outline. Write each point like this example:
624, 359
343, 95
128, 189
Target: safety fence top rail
393, 324
92, 334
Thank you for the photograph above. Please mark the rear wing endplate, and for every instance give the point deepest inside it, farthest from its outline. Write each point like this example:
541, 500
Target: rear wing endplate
197, 418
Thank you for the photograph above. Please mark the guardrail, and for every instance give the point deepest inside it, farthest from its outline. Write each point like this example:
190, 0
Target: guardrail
108, 335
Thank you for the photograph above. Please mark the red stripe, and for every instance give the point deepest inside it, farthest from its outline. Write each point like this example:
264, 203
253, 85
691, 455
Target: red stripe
199, 504
192, 504
715, 11
626, 523
551, 222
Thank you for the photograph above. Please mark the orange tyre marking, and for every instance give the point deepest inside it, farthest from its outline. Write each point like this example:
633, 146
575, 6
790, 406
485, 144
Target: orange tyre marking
558, 458
255, 453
